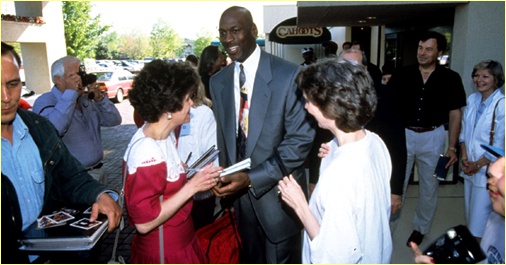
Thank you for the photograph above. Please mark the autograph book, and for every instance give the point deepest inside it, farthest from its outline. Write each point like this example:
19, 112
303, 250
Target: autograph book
64, 230
441, 172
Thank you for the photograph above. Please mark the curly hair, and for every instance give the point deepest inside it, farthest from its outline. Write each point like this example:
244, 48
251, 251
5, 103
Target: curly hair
342, 90
162, 87
495, 69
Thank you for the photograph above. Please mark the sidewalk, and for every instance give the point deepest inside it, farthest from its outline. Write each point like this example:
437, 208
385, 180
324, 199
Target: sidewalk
115, 140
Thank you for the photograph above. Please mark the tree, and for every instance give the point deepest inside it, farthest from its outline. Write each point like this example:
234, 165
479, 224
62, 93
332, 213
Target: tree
203, 40
134, 45
164, 41
108, 47
82, 32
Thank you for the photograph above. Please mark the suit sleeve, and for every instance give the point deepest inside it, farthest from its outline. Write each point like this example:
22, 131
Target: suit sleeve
296, 139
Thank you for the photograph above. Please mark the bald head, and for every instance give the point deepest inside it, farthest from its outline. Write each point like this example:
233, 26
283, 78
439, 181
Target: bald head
244, 13
238, 33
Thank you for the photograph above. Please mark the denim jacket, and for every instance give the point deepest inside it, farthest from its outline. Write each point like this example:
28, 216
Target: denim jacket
66, 183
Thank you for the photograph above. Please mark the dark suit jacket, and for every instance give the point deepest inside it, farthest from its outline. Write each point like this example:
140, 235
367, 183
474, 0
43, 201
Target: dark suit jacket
277, 118
388, 124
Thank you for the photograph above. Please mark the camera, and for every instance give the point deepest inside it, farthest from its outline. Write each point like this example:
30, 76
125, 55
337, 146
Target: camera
86, 78
456, 246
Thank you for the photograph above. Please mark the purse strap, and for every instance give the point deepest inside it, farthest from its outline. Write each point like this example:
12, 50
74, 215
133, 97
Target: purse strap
160, 238
492, 132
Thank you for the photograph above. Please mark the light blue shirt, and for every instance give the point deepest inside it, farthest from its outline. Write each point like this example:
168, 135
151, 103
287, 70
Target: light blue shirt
21, 163
79, 130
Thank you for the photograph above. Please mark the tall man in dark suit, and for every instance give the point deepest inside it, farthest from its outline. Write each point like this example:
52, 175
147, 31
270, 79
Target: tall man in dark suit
270, 231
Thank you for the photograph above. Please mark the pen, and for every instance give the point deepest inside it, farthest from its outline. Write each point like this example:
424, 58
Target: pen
188, 158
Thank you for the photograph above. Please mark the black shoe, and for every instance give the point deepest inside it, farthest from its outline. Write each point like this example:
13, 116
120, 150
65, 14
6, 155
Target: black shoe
416, 237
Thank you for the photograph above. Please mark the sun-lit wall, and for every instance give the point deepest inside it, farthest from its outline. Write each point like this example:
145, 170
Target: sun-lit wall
42, 41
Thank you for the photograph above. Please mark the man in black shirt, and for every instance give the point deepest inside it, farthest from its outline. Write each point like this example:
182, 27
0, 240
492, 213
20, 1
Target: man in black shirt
431, 98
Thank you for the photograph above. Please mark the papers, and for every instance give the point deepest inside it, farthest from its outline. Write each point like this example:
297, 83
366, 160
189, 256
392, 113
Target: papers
245, 164
209, 156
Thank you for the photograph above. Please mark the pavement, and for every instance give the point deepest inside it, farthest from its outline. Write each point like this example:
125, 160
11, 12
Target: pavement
115, 140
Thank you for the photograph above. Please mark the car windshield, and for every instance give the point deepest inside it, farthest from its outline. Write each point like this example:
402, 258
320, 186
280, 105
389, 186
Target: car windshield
104, 76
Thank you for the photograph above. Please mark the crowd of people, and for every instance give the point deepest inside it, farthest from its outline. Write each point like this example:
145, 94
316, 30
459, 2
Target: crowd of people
359, 131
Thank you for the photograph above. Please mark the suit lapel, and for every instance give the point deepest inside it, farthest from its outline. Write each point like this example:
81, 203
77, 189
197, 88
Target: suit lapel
259, 103
227, 114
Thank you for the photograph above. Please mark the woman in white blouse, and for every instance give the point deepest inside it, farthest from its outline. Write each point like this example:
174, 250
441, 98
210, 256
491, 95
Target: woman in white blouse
347, 219
487, 76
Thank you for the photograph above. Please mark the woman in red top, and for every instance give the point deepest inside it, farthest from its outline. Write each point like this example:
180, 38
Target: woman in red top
157, 191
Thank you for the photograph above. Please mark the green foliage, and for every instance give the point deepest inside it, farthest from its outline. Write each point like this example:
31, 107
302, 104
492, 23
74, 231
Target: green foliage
200, 43
82, 32
108, 47
134, 45
164, 41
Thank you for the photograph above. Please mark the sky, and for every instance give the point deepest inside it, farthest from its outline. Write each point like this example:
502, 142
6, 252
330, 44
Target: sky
188, 18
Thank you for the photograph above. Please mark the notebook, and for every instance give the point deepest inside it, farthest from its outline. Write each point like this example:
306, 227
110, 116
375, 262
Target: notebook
64, 230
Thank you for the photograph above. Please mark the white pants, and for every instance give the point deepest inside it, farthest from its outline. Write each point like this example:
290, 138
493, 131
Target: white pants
424, 149
478, 207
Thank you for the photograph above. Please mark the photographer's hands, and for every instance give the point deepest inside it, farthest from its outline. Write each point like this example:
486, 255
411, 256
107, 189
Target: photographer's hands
95, 88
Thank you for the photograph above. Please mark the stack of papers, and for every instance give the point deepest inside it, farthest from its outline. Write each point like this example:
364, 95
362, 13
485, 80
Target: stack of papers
245, 164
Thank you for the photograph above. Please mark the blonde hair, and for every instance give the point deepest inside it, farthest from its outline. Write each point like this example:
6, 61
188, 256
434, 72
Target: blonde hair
200, 96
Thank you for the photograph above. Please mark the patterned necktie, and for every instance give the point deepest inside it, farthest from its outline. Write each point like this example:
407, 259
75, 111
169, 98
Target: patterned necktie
243, 116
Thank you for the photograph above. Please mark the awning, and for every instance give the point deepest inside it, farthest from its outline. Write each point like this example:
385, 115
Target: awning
287, 32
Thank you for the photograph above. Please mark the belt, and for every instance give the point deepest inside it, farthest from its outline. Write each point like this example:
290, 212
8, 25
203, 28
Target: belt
422, 129
97, 166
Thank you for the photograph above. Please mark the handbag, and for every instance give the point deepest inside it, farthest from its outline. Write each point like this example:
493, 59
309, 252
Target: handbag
220, 240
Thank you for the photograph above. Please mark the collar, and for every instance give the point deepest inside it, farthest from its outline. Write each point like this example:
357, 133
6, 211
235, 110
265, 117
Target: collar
251, 63
490, 98
19, 129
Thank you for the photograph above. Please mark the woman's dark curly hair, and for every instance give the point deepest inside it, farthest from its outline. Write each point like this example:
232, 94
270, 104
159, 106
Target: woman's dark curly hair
161, 87
342, 90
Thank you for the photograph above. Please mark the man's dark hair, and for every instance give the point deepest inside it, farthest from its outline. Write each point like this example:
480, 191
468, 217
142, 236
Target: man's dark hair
440, 39
332, 46
6, 48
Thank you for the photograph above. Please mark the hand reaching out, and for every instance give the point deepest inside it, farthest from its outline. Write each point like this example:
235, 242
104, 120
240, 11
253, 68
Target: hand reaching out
292, 193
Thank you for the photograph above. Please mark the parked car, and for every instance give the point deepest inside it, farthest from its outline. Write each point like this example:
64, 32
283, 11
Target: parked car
29, 95
115, 83
131, 67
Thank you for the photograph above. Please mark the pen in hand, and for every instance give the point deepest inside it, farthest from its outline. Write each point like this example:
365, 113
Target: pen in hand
188, 158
